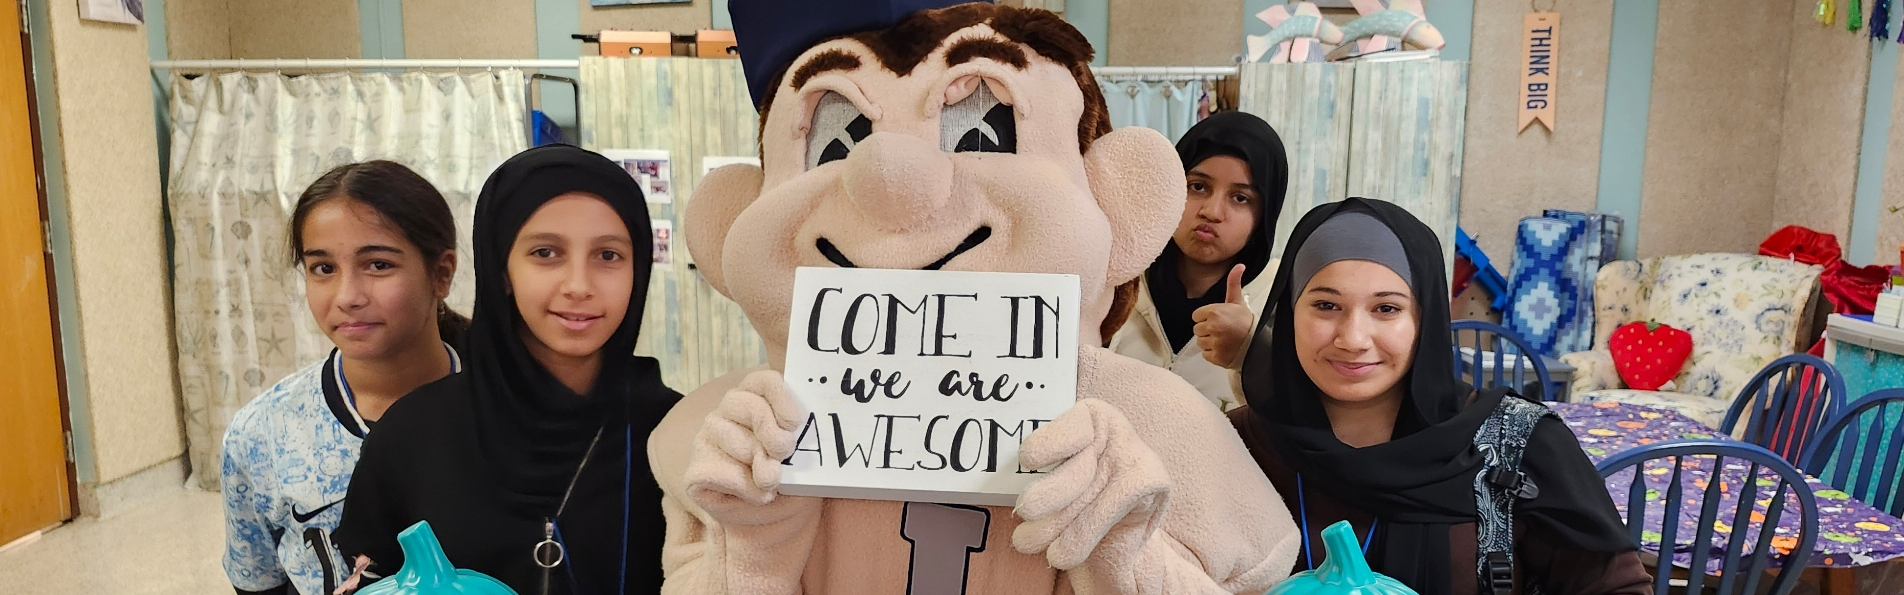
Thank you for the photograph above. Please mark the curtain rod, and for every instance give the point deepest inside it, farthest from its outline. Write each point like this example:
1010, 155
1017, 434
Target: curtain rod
350, 64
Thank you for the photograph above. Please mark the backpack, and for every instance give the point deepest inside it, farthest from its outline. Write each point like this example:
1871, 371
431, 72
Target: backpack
1501, 441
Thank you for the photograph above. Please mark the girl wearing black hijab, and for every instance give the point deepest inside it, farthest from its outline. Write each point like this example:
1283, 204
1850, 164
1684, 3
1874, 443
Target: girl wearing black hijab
1355, 414
525, 465
1193, 314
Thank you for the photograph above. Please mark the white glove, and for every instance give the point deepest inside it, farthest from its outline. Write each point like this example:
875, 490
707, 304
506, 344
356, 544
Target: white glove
1106, 497
734, 473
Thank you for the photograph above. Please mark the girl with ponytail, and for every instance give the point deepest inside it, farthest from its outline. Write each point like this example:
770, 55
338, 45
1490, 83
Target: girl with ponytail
376, 244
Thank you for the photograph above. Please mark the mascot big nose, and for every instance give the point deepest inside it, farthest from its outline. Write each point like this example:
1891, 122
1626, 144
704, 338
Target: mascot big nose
898, 181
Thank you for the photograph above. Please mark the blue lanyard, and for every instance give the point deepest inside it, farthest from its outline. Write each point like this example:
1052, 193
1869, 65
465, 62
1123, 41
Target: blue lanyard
627, 472
1302, 507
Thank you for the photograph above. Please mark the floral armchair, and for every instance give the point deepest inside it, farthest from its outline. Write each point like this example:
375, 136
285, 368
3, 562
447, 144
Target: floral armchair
1742, 312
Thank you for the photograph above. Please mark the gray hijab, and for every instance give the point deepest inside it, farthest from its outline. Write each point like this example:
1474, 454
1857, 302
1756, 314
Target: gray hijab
1351, 235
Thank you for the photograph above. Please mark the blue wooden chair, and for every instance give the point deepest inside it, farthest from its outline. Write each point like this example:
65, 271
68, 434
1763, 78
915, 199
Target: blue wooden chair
1500, 358
1788, 403
1739, 573
1861, 451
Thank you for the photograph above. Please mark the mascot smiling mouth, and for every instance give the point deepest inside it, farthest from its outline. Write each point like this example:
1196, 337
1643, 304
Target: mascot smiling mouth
838, 258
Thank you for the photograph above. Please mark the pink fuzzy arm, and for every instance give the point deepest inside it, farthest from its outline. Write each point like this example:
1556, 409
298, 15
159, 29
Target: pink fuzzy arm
706, 557
1223, 528
728, 531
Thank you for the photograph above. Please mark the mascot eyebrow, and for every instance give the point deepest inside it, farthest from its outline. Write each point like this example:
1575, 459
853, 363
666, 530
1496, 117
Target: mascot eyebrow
965, 50
901, 48
827, 61
972, 48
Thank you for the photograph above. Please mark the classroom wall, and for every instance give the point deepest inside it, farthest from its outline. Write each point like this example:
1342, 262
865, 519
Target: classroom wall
683, 18
198, 29
1823, 118
1174, 33
1712, 143
1739, 144
1891, 223
1509, 174
115, 218
292, 29
469, 29
215, 29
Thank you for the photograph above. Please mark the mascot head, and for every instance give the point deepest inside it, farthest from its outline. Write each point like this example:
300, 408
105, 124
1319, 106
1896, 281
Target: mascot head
898, 135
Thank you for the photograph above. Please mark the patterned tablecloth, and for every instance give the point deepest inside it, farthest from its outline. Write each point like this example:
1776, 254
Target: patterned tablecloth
1851, 533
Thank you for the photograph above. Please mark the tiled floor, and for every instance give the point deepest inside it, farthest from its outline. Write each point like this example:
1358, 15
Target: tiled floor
170, 546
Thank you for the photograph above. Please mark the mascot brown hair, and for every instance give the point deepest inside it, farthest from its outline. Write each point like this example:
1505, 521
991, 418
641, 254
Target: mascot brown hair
898, 135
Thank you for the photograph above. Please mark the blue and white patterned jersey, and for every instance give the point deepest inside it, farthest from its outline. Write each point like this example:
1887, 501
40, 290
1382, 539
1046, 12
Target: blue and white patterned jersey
289, 455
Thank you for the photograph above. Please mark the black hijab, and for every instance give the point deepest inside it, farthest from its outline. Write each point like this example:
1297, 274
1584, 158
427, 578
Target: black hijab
1422, 481
1232, 134
533, 428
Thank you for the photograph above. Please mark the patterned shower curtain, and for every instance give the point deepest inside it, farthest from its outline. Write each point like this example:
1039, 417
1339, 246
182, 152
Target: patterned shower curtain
1169, 107
244, 145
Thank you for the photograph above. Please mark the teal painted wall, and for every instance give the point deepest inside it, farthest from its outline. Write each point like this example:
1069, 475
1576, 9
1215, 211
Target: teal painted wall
59, 229
1628, 99
1868, 208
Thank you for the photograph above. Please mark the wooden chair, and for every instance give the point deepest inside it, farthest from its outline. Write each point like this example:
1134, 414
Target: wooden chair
1500, 358
1739, 573
1861, 451
1786, 405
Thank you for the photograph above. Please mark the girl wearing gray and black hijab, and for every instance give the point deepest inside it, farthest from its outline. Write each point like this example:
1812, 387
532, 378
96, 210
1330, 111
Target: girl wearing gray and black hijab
1355, 414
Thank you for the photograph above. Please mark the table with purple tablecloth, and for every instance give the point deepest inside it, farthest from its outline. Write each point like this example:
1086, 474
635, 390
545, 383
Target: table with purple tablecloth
1851, 533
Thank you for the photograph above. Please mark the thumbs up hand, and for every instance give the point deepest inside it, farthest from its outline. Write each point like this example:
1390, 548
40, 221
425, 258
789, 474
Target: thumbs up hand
1223, 329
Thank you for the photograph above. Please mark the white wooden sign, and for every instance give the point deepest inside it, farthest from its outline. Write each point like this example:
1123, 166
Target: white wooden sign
921, 385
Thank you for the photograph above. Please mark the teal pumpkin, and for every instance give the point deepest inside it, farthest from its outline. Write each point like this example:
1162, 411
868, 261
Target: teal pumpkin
1343, 571
426, 571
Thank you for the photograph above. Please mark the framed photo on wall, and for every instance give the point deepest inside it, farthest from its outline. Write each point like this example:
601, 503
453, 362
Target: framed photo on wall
650, 168
131, 12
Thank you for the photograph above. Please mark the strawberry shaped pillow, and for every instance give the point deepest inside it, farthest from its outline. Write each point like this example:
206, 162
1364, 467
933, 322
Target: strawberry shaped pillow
1648, 354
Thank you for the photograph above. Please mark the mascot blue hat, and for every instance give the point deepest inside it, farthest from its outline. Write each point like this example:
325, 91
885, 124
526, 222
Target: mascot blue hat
772, 33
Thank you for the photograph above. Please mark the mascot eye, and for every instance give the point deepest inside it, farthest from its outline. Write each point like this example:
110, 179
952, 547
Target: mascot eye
978, 124
837, 127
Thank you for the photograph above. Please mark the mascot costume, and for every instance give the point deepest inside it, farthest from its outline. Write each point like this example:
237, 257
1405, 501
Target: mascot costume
918, 134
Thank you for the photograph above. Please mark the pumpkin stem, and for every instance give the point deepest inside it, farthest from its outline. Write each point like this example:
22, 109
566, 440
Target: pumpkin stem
1344, 564
423, 559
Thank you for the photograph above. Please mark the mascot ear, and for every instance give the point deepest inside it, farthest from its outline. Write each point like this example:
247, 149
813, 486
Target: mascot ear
723, 194
1135, 175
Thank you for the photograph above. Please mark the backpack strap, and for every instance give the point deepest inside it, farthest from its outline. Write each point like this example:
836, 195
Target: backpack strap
1501, 441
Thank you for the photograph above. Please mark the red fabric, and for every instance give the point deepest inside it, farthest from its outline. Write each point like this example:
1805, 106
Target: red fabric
1464, 271
1802, 244
1851, 289
1854, 289
1790, 433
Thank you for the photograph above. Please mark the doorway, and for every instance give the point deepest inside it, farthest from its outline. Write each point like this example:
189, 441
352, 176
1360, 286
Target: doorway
35, 479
